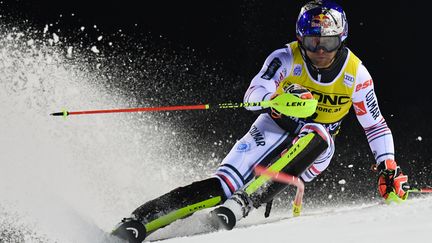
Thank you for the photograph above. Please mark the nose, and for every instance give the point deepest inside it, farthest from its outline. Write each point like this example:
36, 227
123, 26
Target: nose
320, 51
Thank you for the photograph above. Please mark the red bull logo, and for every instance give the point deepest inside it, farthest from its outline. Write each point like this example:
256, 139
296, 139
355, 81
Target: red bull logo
321, 20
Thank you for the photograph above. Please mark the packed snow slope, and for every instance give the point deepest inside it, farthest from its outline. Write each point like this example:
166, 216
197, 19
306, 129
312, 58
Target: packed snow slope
371, 222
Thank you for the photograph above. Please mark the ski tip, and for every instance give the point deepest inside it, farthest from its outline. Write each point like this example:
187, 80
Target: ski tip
222, 218
131, 230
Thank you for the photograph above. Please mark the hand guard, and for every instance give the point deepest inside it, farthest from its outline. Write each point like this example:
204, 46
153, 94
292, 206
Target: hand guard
295, 89
391, 179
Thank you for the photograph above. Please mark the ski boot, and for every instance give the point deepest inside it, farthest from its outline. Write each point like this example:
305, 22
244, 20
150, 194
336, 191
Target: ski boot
234, 209
131, 230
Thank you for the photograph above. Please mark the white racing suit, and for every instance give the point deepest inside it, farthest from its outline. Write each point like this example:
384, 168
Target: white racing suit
267, 134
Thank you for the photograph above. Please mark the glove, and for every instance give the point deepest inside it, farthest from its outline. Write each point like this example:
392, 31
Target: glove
391, 179
295, 89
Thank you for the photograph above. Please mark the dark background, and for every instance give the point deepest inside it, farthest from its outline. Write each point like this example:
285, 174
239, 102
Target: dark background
208, 51
389, 37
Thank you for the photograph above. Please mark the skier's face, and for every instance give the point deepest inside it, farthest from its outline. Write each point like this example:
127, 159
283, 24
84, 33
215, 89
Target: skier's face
321, 58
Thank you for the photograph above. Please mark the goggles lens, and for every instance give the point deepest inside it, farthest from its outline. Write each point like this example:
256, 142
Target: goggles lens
327, 43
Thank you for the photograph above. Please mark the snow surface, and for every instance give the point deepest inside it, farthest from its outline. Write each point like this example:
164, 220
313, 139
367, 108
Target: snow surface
72, 180
409, 222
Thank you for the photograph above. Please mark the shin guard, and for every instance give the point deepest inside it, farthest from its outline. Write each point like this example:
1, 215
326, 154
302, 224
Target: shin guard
180, 203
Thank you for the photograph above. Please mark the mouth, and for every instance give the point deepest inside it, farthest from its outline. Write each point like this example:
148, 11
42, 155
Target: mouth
321, 57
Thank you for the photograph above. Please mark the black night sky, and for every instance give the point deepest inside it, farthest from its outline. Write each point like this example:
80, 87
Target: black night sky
234, 37
239, 34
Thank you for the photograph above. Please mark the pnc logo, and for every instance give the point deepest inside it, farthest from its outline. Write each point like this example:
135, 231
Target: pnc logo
331, 99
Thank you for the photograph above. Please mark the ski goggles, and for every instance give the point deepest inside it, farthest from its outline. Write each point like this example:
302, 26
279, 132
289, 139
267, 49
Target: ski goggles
327, 43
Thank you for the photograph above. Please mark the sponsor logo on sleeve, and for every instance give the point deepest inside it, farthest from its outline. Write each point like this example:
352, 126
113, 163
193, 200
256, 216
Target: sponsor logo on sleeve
243, 147
277, 83
363, 85
348, 80
372, 104
359, 108
297, 70
279, 80
272, 68
257, 135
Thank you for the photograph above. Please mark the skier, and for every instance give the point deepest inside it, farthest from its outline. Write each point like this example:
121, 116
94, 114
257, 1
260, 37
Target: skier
318, 65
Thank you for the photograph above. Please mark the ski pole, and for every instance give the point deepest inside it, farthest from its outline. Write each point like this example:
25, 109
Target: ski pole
287, 104
287, 179
420, 190
392, 197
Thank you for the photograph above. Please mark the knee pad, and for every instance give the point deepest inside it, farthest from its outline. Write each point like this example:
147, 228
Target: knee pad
306, 154
316, 128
